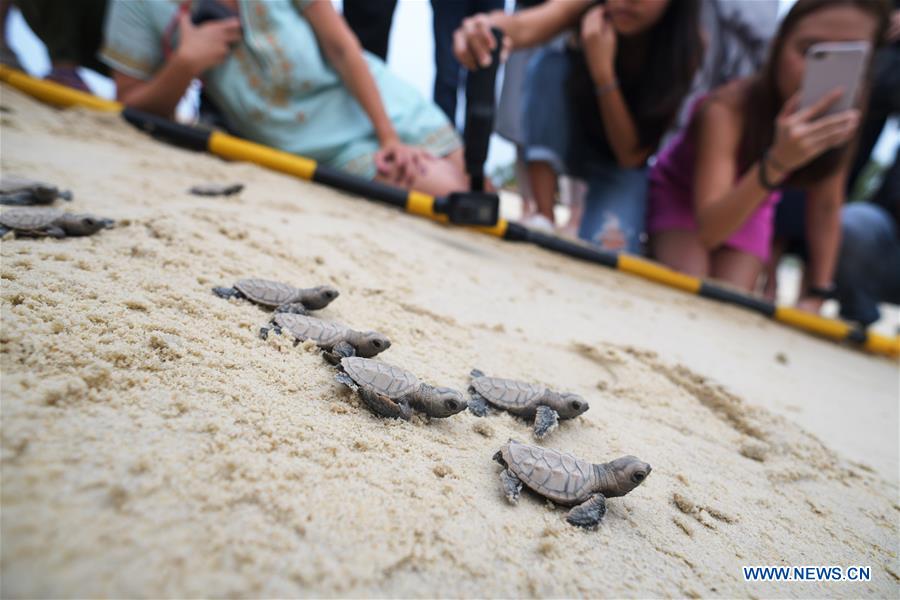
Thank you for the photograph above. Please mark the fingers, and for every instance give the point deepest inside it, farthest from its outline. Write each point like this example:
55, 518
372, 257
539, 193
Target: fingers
838, 130
820, 106
461, 50
480, 39
184, 22
790, 106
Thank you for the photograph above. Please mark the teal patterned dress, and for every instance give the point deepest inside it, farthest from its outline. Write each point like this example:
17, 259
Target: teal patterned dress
276, 88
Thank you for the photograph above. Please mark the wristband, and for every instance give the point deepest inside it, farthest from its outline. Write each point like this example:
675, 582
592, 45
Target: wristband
763, 176
602, 90
824, 292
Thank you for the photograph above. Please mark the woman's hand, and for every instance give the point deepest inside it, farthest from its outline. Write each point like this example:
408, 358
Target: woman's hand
400, 164
598, 37
473, 42
800, 136
208, 44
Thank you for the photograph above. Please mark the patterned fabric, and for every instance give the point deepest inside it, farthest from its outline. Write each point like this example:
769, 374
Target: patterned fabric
277, 89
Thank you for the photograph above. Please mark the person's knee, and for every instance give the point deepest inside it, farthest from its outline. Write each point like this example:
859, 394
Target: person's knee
865, 228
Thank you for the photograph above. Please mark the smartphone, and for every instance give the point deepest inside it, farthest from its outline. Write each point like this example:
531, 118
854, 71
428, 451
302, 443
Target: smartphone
834, 65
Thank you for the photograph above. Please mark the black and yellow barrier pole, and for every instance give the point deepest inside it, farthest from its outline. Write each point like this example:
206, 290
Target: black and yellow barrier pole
459, 209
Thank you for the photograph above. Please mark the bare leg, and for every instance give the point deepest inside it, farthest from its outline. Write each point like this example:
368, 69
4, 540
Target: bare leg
740, 269
771, 289
681, 250
542, 179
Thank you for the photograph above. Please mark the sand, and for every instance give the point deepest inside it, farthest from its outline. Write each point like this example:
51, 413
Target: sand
153, 445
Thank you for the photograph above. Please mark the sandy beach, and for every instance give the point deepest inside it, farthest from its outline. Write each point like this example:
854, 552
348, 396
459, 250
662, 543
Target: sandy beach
154, 446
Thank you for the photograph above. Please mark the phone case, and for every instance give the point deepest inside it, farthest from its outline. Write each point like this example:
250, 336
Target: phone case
833, 65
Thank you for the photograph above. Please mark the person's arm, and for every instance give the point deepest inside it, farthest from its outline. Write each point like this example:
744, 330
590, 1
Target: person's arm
343, 52
200, 48
823, 234
721, 206
599, 41
473, 41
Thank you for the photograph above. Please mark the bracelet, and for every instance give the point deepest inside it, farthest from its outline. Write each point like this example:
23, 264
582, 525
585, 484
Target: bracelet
763, 176
774, 162
602, 90
824, 292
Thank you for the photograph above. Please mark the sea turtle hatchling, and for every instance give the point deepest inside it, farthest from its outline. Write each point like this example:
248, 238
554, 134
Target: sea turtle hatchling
280, 296
216, 189
19, 191
336, 340
525, 400
42, 222
390, 391
566, 480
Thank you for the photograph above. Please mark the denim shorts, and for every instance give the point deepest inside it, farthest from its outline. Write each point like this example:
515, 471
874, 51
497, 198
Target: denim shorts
616, 198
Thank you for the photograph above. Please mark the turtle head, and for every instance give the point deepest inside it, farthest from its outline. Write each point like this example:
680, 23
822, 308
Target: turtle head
372, 343
320, 297
570, 405
444, 402
627, 472
83, 224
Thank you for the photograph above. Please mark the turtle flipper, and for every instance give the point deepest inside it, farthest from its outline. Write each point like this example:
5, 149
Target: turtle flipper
25, 198
342, 377
511, 486
339, 351
55, 232
478, 405
476, 373
296, 308
227, 292
545, 420
384, 406
589, 513
272, 326
4, 231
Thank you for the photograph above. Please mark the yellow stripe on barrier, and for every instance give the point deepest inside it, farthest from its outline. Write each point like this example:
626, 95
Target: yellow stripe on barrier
658, 273
823, 326
882, 344
54, 93
227, 146
498, 230
420, 204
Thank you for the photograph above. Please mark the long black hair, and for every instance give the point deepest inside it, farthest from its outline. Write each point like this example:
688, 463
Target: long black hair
654, 87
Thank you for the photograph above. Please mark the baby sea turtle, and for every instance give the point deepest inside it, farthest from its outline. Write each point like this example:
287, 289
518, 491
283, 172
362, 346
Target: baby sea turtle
216, 189
390, 391
280, 296
525, 400
19, 191
567, 480
336, 340
41, 222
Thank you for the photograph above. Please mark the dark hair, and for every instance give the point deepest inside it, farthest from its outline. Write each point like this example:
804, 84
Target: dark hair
655, 88
763, 101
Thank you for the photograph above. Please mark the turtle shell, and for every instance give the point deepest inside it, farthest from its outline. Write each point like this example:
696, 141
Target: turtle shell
266, 292
324, 333
515, 396
29, 219
556, 475
379, 377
